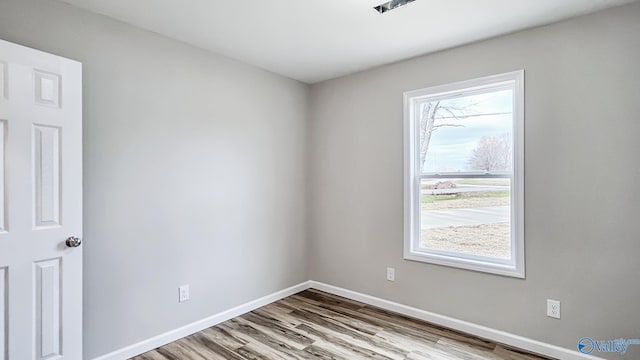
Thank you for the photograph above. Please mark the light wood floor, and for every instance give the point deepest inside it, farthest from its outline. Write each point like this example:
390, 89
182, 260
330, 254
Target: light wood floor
316, 325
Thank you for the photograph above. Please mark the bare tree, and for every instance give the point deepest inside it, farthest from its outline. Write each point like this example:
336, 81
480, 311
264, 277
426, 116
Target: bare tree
493, 153
436, 115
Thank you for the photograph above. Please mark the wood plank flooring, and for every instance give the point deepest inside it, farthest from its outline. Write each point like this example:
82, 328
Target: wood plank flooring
316, 325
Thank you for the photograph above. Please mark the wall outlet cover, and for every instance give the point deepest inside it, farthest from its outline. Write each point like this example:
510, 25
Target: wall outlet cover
553, 308
183, 293
391, 274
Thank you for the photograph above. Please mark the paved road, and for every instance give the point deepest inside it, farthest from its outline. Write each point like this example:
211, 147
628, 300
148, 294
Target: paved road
464, 188
465, 217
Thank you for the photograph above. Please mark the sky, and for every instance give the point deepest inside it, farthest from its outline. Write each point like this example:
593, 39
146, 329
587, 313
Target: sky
451, 147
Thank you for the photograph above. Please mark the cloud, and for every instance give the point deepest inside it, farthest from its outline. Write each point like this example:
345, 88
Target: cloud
451, 147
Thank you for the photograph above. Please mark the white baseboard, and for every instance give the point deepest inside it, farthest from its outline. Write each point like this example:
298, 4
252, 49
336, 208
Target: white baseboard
173, 335
455, 324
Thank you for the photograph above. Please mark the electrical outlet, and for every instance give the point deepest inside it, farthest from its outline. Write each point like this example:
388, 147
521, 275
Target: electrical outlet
183, 293
553, 308
391, 274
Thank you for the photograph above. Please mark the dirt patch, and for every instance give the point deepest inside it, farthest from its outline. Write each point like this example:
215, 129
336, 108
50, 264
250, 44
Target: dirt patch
492, 240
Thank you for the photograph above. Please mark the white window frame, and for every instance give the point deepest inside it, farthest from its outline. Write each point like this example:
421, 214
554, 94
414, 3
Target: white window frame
515, 266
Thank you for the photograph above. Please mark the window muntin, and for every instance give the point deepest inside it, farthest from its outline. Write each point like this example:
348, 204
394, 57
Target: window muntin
463, 170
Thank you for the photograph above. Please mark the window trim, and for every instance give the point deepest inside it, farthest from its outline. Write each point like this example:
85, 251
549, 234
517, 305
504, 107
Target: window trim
515, 267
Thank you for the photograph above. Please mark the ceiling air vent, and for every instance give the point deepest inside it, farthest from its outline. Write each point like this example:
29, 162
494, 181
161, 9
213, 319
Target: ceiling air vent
383, 8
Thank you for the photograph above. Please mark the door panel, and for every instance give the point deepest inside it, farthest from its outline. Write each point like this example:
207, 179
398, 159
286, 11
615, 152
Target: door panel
3, 80
40, 205
46, 169
47, 303
47, 88
3, 204
3, 309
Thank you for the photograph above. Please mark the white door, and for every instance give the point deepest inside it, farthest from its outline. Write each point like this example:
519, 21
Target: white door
40, 205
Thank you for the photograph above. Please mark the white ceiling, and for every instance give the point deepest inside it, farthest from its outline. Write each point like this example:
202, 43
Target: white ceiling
313, 40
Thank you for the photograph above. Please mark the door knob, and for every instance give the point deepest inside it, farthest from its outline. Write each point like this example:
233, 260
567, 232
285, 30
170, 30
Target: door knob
73, 242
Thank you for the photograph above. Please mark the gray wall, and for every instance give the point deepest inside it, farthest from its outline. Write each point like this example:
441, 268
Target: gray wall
582, 194
194, 174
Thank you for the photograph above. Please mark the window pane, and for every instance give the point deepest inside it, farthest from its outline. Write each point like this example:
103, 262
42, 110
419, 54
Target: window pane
470, 133
468, 216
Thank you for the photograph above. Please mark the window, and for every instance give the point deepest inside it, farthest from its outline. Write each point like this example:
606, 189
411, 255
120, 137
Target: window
464, 174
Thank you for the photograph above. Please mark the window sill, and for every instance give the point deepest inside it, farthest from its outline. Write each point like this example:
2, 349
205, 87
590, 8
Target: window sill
475, 264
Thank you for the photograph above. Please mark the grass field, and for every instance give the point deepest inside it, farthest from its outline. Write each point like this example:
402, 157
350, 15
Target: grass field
465, 200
